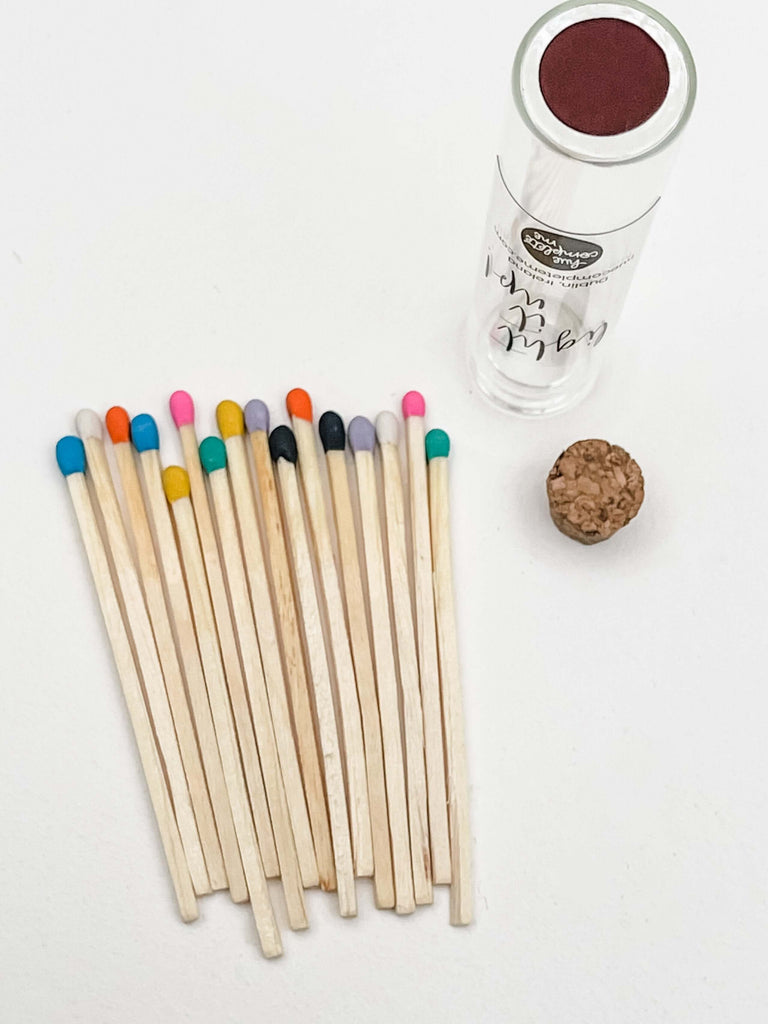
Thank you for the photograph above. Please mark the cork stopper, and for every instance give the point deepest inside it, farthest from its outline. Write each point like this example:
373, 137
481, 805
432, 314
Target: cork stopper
594, 489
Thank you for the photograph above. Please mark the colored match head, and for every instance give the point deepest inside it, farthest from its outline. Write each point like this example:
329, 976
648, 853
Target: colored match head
362, 435
175, 483
332, 433
437, 444
118, 425
282, 445
298, 403
229, 417
70, 455
88, 424
256, 416
182, 408
144, 433
213, 454
413, 404
387, 428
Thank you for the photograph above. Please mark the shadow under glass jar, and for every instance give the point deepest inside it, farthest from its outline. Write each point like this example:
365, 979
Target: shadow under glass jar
600, 94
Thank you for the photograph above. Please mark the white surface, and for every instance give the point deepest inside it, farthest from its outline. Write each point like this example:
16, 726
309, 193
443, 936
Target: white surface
236, 199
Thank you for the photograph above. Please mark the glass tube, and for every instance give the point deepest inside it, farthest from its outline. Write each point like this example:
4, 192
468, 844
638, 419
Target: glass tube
568, 216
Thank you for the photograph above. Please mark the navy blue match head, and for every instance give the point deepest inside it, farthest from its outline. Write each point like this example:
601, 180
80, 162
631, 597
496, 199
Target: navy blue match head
332, 433
282, 445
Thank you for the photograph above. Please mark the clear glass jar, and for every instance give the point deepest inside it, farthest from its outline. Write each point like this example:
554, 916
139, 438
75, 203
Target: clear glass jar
568, 216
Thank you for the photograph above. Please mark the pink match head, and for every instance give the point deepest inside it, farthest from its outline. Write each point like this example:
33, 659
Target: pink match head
182, 408
413, 404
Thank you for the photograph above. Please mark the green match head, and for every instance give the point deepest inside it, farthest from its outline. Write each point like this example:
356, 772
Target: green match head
213, 454
438, 445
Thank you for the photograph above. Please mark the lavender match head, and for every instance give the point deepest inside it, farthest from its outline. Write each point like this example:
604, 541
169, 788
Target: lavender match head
256, 416
362, 435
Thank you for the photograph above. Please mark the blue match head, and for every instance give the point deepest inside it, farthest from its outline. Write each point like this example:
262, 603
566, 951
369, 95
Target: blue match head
362, 435
256, 416
213, 454
144, 433
70, 455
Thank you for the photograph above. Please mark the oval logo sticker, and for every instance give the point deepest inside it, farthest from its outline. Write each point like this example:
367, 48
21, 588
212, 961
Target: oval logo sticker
559, 252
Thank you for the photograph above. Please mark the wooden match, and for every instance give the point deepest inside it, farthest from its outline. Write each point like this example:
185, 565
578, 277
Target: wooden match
282, 445
90, 431
299, 407
177, 490
362, 439
437, 449
256, 417
119, 429
429, 672
387, 432
229, 416
213, 457
333, 438
183, 413
144, 436
70, 455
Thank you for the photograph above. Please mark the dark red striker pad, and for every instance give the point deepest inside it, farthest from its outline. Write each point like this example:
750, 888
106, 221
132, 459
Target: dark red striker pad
603, 76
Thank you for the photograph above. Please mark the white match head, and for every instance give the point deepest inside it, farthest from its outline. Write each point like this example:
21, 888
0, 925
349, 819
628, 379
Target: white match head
387, 428
88, 425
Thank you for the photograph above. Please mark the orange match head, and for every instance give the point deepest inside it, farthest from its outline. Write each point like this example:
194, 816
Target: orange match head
118, 424
298, 403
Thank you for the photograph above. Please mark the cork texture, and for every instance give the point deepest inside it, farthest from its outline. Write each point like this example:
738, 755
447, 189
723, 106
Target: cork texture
594, 488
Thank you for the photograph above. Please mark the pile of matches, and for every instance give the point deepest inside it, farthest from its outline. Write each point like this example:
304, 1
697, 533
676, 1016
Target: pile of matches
295, 698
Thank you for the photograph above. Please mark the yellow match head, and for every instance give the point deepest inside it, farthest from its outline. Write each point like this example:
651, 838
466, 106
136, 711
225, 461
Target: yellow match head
175, 483
229, 417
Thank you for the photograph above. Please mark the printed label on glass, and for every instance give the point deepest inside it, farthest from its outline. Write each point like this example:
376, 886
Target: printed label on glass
548, 293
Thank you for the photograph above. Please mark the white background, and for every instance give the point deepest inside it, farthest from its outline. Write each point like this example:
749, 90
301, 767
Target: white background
238, 198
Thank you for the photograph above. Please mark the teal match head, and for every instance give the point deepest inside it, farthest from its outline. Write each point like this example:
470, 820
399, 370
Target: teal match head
213, 454
438, 445
144, 433
70, 455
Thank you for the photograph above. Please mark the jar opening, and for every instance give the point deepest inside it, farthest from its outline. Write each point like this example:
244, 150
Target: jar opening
603, 76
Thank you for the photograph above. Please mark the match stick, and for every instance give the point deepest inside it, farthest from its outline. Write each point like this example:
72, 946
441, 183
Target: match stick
144, 435
362, 438
299, 407
333, 437
70, 456
429, 672
387, 432
177, 490
229, 417
119, 429
437, 449
183, 413
213, 457
90, 431
282, 446
257, 423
